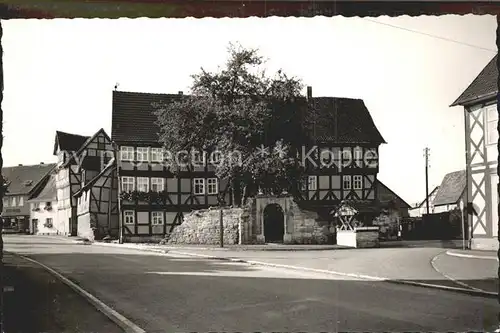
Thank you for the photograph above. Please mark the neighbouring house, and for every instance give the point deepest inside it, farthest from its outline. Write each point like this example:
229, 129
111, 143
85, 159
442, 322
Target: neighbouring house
479, 102
65, 147
153, 201
81, 159
390, 200
451, 192
421, 208
97, 205
22, 181
43, 211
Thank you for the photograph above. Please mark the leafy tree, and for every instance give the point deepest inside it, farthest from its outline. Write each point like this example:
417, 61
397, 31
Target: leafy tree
235, 112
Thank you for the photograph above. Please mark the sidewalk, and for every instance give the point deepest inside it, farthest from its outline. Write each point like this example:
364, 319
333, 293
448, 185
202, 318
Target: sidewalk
35, 301
474, 269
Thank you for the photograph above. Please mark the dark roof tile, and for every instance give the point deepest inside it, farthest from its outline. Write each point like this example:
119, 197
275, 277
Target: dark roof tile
69, 142
133, 118
24, 178
48, 193
385, 195
484, 86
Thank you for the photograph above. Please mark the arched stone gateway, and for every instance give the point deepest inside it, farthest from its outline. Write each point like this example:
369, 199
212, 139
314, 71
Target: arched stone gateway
274, 223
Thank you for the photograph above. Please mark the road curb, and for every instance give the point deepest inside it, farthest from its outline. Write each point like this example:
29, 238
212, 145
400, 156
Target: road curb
124, 323
463, 255
468, 291
270, 249
463, 284
473, 292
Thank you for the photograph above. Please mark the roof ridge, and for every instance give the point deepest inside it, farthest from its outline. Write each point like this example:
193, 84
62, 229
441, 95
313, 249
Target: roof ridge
28, 165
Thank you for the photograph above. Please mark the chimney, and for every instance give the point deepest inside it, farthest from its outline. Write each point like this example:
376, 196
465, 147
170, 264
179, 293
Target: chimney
180, 93
42, 163
309, 92
19, 165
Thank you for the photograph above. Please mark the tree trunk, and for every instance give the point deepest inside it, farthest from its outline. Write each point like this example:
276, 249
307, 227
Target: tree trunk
236, 186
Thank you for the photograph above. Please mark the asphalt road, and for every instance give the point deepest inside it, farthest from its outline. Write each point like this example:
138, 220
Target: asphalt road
163, 293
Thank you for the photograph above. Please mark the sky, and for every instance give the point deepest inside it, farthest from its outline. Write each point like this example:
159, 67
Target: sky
60, 74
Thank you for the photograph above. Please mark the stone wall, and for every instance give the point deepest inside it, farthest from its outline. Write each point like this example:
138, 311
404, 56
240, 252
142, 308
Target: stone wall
305, 227
245, 225
203, 227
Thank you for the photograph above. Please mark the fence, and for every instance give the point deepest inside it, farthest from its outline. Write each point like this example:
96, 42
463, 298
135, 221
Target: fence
439, 226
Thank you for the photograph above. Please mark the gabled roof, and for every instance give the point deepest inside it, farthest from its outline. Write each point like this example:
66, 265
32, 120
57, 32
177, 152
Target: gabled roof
69, 142
85, 144
343, 120
133, 118
47, 193
484, 86
347, 120
23, 179
432, 195
451, 189
385, 195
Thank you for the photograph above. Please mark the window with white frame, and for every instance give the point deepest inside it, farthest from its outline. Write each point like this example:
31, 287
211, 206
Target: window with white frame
357, 182
346, 182
212, 186
491, 125
157, 218
13, 202
128, 184
142, 154
127, 153
129, 217
157, 184
157, 155
143, 184
312, 183
199, 186
21, 201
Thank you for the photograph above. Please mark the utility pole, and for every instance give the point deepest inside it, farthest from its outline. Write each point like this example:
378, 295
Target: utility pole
426, 155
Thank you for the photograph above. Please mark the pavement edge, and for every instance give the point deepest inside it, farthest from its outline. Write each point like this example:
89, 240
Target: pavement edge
462, 255
468, 291
124, 323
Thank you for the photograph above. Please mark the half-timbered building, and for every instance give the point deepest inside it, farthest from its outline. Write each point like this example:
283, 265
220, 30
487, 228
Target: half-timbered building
341, 159
479, 102
80, 159
97, 205
152, 200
